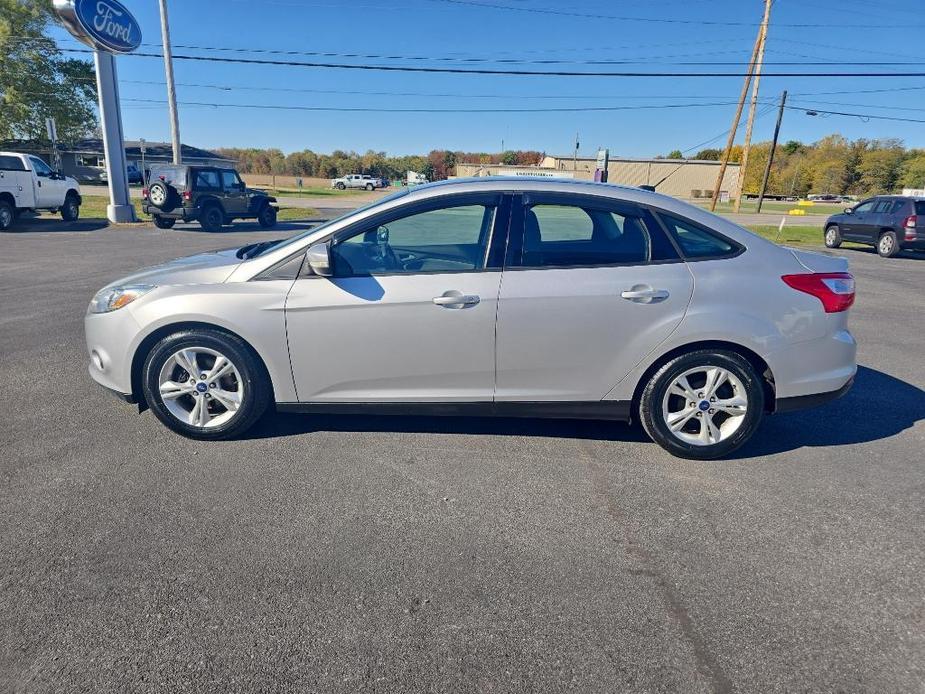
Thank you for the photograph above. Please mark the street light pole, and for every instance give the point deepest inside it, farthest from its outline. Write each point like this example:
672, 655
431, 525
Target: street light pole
767, 169
171, 90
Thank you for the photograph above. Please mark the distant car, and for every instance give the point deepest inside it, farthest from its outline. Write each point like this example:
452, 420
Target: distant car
489, 296
28, 183
891, 223
357, 181
212, 196
134, 175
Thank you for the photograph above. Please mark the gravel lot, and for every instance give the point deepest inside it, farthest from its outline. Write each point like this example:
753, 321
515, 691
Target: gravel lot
410, 554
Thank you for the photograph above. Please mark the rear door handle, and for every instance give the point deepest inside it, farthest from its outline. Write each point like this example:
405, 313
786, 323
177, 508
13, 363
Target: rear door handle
644, 294
456, 299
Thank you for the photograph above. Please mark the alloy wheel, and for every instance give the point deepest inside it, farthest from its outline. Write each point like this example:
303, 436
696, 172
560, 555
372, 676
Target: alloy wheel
886, 244
830, 236
201, 387
705, 405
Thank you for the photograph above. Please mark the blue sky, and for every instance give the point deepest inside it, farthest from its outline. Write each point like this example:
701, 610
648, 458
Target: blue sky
438, 29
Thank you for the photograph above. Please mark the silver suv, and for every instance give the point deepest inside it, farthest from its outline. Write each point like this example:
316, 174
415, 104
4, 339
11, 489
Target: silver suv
508, 297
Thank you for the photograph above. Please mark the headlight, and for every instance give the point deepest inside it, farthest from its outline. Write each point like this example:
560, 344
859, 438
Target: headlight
112, 298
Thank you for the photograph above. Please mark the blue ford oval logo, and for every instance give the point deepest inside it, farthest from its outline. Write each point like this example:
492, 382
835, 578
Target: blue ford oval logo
704, 406
109, 24
202, 387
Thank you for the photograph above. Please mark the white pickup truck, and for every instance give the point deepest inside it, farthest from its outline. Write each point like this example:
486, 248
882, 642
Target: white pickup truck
357, 181
28, 183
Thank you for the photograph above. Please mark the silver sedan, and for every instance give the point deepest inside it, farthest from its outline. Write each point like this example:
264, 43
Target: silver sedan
493, 296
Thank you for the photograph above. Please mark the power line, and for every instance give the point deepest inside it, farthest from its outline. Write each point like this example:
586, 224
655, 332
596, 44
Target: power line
506, 72
664, 20
862, 116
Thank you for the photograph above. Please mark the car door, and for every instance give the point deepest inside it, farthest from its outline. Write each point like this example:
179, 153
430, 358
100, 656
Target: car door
857, 224
234, 195
591, 285
409, 313
47, 189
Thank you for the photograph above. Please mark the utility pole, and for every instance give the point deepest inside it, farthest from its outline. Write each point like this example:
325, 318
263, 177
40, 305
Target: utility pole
738, 114
767, 168
171, 90
575, 157
753, 107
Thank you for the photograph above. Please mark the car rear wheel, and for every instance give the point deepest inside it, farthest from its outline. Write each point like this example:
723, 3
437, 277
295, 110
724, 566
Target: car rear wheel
7, 215
833, 237
164, 222
161, 196
267, 216
70, 210
703, 405
205, 384
211, 218
888, 245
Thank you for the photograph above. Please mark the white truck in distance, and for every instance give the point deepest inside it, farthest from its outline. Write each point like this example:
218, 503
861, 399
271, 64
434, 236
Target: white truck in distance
415, 179
28, 183
357, 181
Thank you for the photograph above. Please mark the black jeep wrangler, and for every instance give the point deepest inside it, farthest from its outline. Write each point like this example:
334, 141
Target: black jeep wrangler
211, 195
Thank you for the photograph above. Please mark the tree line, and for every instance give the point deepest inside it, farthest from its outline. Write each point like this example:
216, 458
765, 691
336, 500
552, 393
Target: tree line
436, 165
834, 164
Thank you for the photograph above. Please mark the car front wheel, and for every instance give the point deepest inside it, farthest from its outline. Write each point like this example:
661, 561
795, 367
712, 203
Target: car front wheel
267, 216
70, 210
703, 405
205, 384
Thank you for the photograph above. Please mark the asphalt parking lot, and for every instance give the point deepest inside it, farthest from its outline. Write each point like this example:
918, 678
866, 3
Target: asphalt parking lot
415, 554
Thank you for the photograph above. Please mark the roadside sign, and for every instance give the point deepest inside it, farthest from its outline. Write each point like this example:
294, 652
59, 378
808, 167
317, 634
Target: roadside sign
105, 25
141, 144
52, 129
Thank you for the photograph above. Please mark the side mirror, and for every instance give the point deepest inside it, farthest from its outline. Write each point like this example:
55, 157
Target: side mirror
319, 259
849, 210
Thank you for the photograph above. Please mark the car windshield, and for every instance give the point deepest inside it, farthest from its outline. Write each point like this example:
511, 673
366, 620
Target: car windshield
298, 237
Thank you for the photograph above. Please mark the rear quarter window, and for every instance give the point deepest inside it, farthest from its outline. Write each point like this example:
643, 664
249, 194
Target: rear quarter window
696, 242
920, 207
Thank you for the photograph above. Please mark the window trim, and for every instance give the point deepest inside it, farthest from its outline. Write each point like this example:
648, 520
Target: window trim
513, 258
737, 248
497, 234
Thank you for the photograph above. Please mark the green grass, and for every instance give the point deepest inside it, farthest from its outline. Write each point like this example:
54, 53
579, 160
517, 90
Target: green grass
750, 206
94, 207
794, 235
313, 192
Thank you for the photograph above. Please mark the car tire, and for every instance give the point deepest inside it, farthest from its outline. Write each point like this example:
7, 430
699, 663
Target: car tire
70, 210
164, 222
162, 196
697, 426
243, 383
211, 218
7, 215
370, 186
832, 236
340, 186
267, 216
888, 244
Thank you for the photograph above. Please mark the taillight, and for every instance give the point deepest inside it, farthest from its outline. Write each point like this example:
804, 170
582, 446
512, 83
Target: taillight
834, 289
910, 221
144, 192
187, 195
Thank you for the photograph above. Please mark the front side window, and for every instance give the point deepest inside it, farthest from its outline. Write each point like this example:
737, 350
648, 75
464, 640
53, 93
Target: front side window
40, 167
230, 180
207, 179
450, 239
569, 235
866, 206
696, 242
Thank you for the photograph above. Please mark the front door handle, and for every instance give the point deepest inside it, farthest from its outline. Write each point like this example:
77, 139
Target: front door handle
456, 299
644, 294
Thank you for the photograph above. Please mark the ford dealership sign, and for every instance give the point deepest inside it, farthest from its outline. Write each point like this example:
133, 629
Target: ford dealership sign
103, 24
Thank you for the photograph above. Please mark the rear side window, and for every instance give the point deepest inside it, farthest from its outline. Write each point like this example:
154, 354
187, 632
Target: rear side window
9, 163
883, 207
569, 235
696, 242
207, 179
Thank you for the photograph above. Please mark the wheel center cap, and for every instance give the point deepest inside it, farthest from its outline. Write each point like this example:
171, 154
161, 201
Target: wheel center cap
704, 405
202, 387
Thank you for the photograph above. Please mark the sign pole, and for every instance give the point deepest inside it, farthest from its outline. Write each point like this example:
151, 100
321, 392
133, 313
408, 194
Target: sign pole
120, 207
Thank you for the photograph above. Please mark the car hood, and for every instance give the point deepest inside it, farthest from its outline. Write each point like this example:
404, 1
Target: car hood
204, 268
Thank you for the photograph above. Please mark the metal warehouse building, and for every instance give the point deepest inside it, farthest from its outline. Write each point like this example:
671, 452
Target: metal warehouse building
689, 179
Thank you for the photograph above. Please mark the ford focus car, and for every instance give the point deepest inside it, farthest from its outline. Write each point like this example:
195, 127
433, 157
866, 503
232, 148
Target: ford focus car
493, 296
